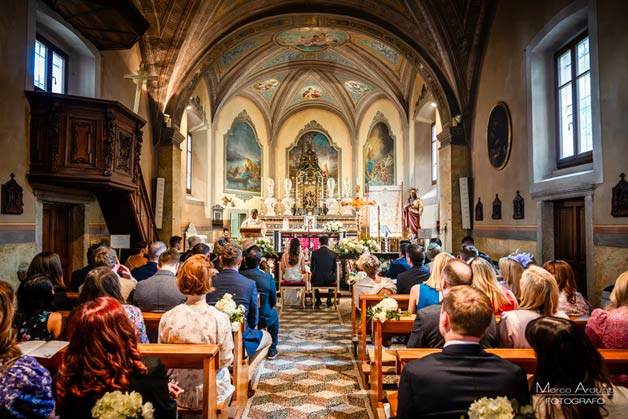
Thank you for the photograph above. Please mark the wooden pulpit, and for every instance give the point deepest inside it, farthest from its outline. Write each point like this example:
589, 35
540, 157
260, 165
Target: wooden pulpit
250, 232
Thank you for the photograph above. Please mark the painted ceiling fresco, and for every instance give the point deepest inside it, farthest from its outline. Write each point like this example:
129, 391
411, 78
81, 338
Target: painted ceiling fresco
311, 39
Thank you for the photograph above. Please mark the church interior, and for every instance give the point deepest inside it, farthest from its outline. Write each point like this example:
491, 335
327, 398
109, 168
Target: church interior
127, 121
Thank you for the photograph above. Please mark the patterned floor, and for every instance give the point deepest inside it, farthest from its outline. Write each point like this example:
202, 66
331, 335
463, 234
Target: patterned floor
314, 376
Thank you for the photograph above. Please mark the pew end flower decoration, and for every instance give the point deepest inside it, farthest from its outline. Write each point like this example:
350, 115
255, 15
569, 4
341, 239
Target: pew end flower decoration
235, 312
499, 408
118, 405
332, 227
386, 309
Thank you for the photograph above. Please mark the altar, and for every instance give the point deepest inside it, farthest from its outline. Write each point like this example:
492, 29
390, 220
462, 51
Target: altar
308, 229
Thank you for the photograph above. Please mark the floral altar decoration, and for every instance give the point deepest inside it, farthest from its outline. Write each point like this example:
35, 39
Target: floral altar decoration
386, 309
332, 227
118, 405
351, 245
235, 312
266, 246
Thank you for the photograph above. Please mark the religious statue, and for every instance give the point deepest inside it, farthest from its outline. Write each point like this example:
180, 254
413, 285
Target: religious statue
497, 208
309, 200
288, 202
518, 207
412, 210
270, 202
479, 211
331, 204
347, 186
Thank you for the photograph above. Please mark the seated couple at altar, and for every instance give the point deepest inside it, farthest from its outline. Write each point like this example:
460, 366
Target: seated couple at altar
322, 269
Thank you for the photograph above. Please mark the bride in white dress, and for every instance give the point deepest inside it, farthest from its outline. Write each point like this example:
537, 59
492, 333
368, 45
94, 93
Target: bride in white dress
292, 266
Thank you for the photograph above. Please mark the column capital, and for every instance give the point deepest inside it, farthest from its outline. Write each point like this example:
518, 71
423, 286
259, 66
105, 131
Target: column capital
451, 136
171, 137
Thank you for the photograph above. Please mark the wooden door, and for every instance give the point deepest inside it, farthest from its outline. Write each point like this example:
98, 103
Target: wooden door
569, 241
57, 235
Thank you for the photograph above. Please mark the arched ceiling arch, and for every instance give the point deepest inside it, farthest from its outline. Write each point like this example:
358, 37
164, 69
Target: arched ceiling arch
233, 44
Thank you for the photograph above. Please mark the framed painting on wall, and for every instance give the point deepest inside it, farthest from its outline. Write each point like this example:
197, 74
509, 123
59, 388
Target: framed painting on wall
243, 157
327, 152
379, 154
499, 136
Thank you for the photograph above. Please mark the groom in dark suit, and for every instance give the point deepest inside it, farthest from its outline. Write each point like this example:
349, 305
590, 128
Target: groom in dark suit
323, 266
244, 291
443, 385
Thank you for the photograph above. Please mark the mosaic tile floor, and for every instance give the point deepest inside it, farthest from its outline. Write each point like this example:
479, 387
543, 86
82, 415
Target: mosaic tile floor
314, 376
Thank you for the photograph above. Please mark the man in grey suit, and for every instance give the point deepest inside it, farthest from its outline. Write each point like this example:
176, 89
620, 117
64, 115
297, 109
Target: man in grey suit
160, 293
425, 332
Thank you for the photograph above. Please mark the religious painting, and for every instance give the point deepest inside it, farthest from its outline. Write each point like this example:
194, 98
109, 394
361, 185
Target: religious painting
356, 87
266, 85
328, 155
243, 157
311, 39
379, 155
311, 92
498, 136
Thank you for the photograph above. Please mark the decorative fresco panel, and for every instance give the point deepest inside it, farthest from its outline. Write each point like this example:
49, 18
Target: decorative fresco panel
356, 89
390, 56
311, 39
243, 157
234, 54
335, 58
328, 155
379, 155
283, 58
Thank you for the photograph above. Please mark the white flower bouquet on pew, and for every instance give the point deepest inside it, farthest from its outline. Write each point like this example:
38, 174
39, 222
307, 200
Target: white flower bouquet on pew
235, 312
354, 277
384, 310
499, 408
118, 405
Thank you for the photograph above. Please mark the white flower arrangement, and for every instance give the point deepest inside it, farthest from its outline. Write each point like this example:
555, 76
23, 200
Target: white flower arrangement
499, 408
385, 310
353, 245
235, 312
332, 226
266, 246
354, 277
118, 405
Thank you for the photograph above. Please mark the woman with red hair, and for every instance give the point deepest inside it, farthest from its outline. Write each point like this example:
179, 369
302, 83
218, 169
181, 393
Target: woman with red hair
569, 300
102, 357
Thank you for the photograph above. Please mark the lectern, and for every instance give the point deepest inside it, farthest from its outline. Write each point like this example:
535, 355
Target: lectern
250, 232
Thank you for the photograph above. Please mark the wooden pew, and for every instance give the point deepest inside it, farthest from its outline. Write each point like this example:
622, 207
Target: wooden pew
191, 356
72, 298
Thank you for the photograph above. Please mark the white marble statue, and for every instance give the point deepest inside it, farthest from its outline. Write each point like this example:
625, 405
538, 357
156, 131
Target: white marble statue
288, 201
332, 204
347, 188
331, 187
270, 201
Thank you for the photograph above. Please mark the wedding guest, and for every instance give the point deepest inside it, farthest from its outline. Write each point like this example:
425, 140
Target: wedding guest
103, 282
372, 283
428, 293
78, 276
150, 268
49, 263
35, 319
399, 265
25, 386
467, 253
570, 300
608, 328
568, 361
485, 280
106, 256
417, 274
195, 321
539, 297
511, 270
138, 258
433, 250
102, 357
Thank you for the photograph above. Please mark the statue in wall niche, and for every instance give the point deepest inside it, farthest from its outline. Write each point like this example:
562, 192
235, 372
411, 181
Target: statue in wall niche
325, 210
518, 207
12, 194
479, 211
270, 202
619, 202
497, 208
331, 204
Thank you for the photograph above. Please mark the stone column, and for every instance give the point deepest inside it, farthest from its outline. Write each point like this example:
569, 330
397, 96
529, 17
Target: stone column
453, 164
170, 170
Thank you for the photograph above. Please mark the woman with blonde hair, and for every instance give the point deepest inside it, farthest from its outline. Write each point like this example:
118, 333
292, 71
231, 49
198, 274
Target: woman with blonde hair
428, 293
372, 283
539, 298
25, 386
485, 280
195, 321
511, 268
608, 328
570, 300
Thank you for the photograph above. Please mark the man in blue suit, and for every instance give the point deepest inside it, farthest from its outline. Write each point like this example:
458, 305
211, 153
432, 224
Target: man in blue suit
244, 291
268, 317
400, 265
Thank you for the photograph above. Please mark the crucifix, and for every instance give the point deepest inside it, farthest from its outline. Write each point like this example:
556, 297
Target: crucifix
140, 77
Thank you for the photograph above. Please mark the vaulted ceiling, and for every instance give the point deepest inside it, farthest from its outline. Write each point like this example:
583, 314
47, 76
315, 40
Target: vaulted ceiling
338, 54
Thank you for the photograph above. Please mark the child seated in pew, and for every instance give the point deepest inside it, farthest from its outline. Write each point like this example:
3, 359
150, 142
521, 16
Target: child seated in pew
195, 321
102, 357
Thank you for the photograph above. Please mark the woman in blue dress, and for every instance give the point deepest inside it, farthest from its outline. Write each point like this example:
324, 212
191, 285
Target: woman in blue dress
428, 293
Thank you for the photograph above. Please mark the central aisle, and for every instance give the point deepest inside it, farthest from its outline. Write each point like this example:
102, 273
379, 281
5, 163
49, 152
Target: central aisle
315, 374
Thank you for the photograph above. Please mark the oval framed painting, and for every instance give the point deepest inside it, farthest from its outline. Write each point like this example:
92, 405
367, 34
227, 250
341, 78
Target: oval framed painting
499, 135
